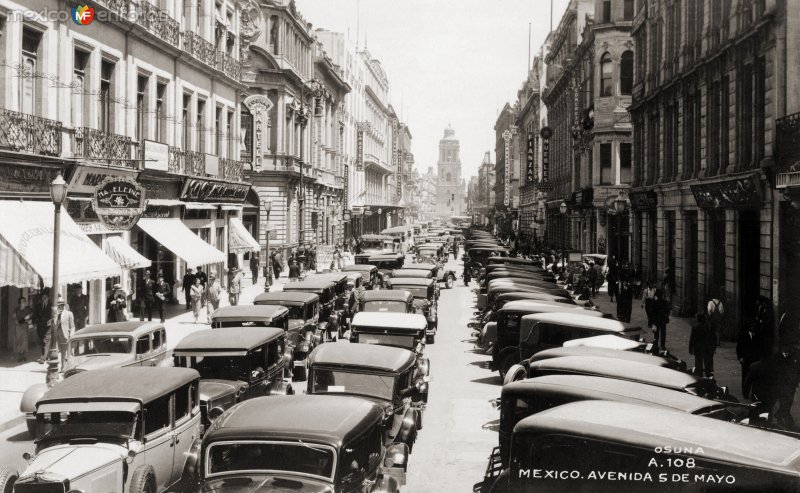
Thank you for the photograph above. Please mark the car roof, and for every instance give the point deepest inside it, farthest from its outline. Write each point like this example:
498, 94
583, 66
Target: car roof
387, 295
142, 384
512, 260
249, 311
288, 296
599, 388
647, 427
370, 237
330, 419
540, 306
579, 320
380, 358
228, 339
526, 295
359, 267
413, 273
309, 283
413, 321
618, 368
411, 281
396, 229
386, 256
419, 266
328, 276
605, 341
130, 326
559, 352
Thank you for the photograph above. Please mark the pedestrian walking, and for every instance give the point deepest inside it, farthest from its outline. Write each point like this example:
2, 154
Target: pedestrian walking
145, 296
648, 302
203, 281
235, 286
188, 282
62, 328
115, 305
702, 343
337, 258
79, 305
254, 261
660, 320
23, 316
196, 294
213, 295
715, 311
591, 275
636, 278
666, 285
625, 301
455, 249
467, 275
772, 383
42, 317
613, 278
754, 342
162, 295
294, 271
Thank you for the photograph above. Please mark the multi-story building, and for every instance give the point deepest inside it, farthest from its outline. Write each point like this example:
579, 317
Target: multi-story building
710, 89
427, 191
483, 198
449, 190
528, 120
507, 170
406, 179
149, 94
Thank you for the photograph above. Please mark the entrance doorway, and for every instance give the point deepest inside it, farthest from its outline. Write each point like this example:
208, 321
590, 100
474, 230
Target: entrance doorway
789, 289
690, 263
716, 240
749, 263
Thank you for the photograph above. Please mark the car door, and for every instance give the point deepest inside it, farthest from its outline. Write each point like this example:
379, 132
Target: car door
143, 349
159, 447
186, 429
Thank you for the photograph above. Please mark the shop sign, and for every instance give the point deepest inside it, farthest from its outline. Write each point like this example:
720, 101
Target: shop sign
643, 200
583, 196
156, 156
119, 203
360, 150
212, 165
545, 134
156, 212
196, 190
259, 106
739, 193
19, 178
346, 187
357, 211
530, 162
86, 178
161, 189
507, 168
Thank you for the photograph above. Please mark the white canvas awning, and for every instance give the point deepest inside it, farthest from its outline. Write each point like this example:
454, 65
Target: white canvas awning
239, 239
180, 240
26, 247
123, 254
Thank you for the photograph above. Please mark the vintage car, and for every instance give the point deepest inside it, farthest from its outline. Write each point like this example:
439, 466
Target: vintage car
388, 300
437, 269
524, 398
425, 300
509, 261
629, 355
522, 274
403, 330
429, 252
648, 449
411, 272
235, 363
610, 342
326, 290
393, 377
525, 281
100, 346
343, 299
517, 268
304, 330
250, 316
122, 430
369, 273
376, 243
494, 291
386, 263
304, 443
513, 321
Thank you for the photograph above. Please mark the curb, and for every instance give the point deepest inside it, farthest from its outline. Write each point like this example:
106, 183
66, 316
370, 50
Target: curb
12, 423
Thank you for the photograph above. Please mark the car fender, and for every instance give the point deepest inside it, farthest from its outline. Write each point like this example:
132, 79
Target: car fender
281, 387
385, 484
408, 429
516, 372
190, 475
31, 397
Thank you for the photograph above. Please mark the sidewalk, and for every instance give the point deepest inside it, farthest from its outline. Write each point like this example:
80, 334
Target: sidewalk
16, 377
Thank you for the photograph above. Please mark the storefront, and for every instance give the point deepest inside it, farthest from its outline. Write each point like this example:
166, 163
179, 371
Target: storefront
644, 247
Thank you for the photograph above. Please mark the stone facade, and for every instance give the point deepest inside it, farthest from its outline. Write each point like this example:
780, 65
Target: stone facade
449, 201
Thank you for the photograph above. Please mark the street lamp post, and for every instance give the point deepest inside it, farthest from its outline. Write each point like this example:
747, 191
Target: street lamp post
619, 206
563, 209
58, 192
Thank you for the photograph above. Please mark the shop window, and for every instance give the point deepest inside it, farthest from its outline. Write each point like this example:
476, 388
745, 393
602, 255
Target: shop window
79, 96
606, 16
31, 90
626, 73
606, 177
606, 76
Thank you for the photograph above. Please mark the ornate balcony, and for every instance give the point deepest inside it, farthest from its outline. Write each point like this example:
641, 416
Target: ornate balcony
121, 7
158, 22
195, 45
95, 144
787, 141
194, 163
230, 169
175, 163
229, 65
28, 133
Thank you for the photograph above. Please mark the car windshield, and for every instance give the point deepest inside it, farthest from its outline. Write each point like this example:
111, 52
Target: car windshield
417, 292
406, 342
343, 382
373, 244
83, 424
100, 345
295, 311
282, 457
223, 367
385, 306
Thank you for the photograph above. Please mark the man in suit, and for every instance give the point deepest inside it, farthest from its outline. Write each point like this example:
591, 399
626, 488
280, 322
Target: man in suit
145, 296
62, 328
188, 280
163, 292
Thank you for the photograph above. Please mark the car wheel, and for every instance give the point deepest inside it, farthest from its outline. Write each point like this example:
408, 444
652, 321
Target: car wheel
143, 480
506, 362
8, 476
450, 281
515, 373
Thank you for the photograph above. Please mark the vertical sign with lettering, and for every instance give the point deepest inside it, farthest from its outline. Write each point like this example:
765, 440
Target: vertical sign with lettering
346, 188
507, 174
530, 168
360, 150
546, 133
259, 106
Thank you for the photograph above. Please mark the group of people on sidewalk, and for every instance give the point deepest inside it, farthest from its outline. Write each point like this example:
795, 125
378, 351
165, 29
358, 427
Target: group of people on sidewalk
53, 326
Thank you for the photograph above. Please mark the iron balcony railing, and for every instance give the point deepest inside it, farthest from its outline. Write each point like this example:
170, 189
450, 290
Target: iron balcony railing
28, 133
230, 169
787, 141
158, 22
92, 143
194, 163
229, 65
195, 45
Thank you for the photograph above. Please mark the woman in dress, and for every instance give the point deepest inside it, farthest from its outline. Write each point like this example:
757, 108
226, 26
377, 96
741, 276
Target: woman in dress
23, 316
196, 295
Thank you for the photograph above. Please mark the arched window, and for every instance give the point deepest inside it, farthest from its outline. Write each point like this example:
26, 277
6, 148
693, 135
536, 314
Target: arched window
606, 79
626, 73
449, 178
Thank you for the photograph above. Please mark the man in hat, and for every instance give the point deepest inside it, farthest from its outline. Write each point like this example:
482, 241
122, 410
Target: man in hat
163, 292
188, 280
145, 297
212, 295
294, 271
203, 281
235, 286
62, 328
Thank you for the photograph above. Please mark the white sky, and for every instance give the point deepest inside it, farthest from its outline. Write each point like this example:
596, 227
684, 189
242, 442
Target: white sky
448, 61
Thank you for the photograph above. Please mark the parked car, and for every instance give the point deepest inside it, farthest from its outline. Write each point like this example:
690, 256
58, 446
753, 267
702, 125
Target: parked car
511, 261
631, 355
326, 291
403, 330
386, 263
650, 449
438, 271
390, 376
411, 272
375, 243
343, 298
235, 363
122, 430
101, 346
388, 300
369, 273
250, 316
480, 253
304, 332
425, 300
302, 443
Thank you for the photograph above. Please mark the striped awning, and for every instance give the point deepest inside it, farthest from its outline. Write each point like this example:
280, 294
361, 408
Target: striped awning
123, 254
26, 247
239, 239
180, 240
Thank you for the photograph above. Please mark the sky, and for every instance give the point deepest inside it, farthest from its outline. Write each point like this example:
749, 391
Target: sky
451, 62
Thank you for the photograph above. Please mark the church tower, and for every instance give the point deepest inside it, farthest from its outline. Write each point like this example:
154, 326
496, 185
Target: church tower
449, 200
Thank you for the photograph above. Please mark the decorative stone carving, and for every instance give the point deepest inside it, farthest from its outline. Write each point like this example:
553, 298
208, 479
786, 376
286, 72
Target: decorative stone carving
251, 24
259, 106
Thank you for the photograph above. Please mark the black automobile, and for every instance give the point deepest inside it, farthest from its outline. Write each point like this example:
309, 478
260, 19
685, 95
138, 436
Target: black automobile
369, 273
425, 300
250, 316
386, 263
234, 363
388, 300
304, 443
343, 292
326, 290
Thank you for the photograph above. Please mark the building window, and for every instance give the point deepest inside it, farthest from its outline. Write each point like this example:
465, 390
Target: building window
625, 162
653, 131
30, 88
200, 127
744, 109
187, 123
161, 112
627, 10
606, 79
688, 136
79, 96
606, 177
759, 109
219, 122
626, 73
724, 126
106, 96
229, 134
141, 107
606, 11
